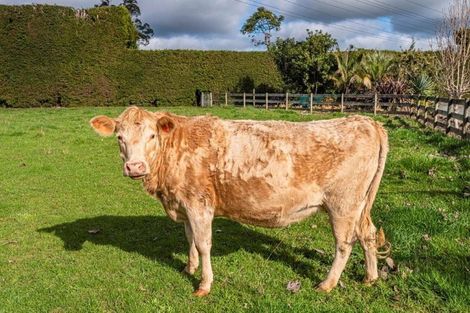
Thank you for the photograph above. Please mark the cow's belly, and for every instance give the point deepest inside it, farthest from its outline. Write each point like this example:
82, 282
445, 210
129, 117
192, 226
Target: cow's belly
273, 218
277, 210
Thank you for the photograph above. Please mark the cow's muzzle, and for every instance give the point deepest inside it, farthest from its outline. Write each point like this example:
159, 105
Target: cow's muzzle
136, 170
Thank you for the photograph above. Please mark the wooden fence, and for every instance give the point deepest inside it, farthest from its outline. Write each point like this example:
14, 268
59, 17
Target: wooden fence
450, 116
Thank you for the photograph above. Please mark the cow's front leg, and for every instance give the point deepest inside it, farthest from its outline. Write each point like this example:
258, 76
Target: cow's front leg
201, 226
193, 255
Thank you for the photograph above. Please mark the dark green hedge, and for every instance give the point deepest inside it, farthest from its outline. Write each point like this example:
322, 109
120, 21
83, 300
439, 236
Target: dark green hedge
51, 55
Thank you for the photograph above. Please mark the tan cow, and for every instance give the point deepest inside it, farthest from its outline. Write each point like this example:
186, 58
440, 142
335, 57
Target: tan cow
265, 173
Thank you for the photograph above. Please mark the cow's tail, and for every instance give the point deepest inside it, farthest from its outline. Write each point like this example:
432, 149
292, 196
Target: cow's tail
366, 226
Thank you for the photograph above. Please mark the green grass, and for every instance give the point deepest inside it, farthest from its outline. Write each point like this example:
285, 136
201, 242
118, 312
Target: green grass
58, 179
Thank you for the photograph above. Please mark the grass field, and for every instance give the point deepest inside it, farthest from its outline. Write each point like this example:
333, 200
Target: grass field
58, 180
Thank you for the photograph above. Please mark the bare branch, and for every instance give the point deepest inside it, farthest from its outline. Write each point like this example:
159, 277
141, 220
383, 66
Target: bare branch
453, 49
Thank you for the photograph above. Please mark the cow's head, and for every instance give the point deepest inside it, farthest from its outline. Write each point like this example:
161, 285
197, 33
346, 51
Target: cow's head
140, 135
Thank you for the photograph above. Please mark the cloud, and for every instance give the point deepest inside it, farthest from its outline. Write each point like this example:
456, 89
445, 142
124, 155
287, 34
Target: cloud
200, 43
189, 17
371, 39
409, 16
215, 24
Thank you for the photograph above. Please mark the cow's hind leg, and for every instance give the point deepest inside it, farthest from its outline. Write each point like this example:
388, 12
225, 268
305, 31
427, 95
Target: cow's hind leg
201, 226
193, 255
345, 236
366, 232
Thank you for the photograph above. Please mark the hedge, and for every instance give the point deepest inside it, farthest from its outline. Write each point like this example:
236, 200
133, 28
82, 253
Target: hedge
59, 56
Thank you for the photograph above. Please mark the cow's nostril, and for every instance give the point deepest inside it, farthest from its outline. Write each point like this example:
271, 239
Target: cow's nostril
141, 167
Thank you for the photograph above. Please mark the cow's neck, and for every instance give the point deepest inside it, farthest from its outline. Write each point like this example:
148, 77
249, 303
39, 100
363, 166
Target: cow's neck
156, 182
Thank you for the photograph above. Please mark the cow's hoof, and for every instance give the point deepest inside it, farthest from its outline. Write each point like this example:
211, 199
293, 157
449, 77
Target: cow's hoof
369, 281
201, 293
325, 287
189, 270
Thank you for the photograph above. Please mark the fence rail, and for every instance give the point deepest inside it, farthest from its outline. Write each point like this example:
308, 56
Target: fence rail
451, 116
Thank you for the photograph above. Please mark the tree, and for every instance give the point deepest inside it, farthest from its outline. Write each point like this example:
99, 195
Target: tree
289, 58
144, 31
132, 6
376, 67
305, 65
453, 49
349, 69
262, 22
104, 3
318, 46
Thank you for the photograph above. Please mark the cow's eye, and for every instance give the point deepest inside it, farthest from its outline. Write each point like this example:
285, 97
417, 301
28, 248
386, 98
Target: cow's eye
153, 136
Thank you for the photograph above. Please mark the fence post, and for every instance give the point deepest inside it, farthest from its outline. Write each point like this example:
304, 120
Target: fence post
342, 102
449, 115
226, 99
267, 101
425, 110
287, 100
436, 107
418, 107
466, 118
210, 98
202, 98
254, 98
376, 99
311, 103
244, 100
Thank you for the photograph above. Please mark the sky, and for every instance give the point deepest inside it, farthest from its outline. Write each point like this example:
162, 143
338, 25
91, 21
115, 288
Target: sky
215, 24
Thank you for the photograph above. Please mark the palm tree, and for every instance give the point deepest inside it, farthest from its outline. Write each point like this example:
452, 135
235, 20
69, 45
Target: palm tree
349, 70
376, 67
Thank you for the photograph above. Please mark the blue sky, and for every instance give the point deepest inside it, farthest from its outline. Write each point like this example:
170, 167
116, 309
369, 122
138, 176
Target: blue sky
215, 24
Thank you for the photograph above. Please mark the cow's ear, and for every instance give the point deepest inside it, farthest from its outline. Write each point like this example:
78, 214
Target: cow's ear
103, 125
166, 124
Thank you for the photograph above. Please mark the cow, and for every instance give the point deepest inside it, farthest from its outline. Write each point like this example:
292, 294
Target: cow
263, 173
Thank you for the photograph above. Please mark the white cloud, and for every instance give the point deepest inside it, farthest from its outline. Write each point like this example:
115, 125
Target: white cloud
370, 38
200, 43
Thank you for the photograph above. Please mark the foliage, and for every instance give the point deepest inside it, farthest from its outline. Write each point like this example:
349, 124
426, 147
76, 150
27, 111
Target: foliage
60, 56
169, 77
144, 31
262, 22
376, 66
349, 73
390, 85
412, 63
103, 3
453, 49
418, 69
56, 56
305, 65
58, 180
422, 85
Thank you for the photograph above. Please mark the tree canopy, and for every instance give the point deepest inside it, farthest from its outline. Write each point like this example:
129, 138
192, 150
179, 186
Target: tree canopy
305, 65
262, 22
144, 31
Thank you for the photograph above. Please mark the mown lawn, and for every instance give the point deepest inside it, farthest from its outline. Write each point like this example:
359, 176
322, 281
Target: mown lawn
58, 180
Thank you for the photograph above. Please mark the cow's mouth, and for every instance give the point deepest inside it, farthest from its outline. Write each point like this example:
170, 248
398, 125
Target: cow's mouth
136, 177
